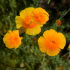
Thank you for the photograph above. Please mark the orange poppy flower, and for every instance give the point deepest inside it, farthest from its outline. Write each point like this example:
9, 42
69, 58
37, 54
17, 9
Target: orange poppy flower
58, 22
24, 23
52, 42
39, 16
12, 39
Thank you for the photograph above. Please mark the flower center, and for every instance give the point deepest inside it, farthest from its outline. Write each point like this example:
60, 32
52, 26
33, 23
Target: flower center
53, 42
13, 40
39, 17
27, 23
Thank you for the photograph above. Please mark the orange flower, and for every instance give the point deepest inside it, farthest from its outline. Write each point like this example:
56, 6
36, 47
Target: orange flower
58, 22
39, 16
24, 23
12, 39
51, 42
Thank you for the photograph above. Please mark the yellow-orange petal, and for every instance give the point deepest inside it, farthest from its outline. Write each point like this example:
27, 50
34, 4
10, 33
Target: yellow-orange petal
42, 43
33, 31
26, 17
25, 12
18, 21
16, 32
52, 53
50, 34
62, 40
8, 45
52, 48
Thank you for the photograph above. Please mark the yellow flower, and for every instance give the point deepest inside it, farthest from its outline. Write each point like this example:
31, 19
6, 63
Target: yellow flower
24, 23
58, 22
52, 42
39, 16
12, 39
69, 47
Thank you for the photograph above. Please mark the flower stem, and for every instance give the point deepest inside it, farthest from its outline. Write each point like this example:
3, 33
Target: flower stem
28, 66
64, 55
48, 1
9, 22
64, 14
43, 61
1, 33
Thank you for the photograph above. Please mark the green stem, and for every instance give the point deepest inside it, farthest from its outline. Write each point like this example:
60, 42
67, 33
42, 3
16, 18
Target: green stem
48, 1
15, 51
1, 33
9, 22
64, 14
64, 55
28, 66
43, 59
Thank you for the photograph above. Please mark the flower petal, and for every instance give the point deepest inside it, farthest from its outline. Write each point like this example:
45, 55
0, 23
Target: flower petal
26, 11
43, 50
33, 31
62, 40
42, 44
53, 52
18, 21
50, 34
16, 32
43, 11
8, 45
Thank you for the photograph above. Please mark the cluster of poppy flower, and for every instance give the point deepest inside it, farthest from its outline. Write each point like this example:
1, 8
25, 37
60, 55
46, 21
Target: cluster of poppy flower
30, 21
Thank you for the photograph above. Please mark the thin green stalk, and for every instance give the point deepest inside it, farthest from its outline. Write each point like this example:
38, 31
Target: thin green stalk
48, 1
9, 22
1, 33
64, 14
16, 52
43, 59
64, 55
28, 66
